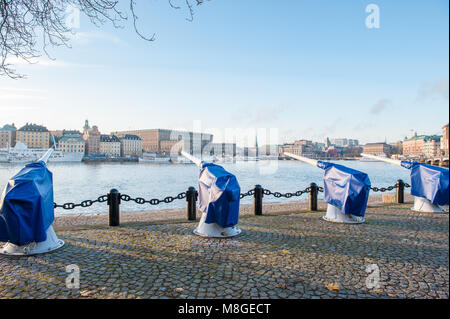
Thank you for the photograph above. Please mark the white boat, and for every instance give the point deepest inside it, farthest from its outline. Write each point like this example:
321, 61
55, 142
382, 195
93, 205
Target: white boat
22, 154
153, 158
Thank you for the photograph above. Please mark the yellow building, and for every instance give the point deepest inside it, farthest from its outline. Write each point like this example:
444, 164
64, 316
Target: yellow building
34, 136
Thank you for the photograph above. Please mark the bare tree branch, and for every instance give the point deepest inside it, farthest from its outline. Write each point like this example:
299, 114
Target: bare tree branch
30, 27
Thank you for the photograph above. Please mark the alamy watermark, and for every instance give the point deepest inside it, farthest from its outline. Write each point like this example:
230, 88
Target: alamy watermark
72, 17
373, 19
73, 277
373, 278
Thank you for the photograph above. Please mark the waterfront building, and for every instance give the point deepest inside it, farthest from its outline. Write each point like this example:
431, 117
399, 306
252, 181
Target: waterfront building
71, 143
432, 147
33, 135
344, 142
109, 145
302, 148
444, 140
167, 147
397, 147
8, 136
92, 138
131, 145
156, 140
414, 146
223, 149
377, 149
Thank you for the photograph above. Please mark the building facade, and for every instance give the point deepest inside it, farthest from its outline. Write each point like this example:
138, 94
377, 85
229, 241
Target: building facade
34, 136
166, 147
71, 143
397, 147
377, 149
444, 140
8, 136
432, 147
131, 145
414, 146
302, 148
222, 149
109, 145
156, 140
92, 138
344, 142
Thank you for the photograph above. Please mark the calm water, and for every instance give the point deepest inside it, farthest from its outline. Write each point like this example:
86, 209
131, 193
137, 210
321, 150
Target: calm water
75, 182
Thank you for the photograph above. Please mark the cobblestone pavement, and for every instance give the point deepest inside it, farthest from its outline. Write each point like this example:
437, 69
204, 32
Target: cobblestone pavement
295, 255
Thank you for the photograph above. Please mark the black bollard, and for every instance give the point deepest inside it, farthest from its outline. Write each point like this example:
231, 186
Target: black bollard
191, 203
313, 190
400, 191
257, 199
114, 207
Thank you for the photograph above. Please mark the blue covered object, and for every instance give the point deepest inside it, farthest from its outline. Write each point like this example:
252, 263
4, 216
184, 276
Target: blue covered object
430, 182
219, 195
345, 188
26, 205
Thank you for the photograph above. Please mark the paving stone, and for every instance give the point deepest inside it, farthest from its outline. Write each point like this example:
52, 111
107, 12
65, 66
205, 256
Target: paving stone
277, 256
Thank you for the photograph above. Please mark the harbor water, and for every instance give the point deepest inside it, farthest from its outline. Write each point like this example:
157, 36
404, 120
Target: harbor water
76, 182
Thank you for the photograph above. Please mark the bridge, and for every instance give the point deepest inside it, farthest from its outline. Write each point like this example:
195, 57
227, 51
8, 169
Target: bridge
437, 161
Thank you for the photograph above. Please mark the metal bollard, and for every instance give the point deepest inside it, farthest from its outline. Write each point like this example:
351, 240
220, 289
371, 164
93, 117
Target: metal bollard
314, 189
191, 203
257, 199
114, 207
400, 191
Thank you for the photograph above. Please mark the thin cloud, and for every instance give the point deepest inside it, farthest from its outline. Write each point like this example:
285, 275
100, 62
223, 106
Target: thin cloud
380, 106
437, 89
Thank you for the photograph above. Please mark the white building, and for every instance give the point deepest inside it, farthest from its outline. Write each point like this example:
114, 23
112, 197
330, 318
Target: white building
131, 145
109, 145
431, 147
71, 143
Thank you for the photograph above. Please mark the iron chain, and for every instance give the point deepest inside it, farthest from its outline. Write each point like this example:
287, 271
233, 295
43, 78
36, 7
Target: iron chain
86, 203
153, 201
169, 199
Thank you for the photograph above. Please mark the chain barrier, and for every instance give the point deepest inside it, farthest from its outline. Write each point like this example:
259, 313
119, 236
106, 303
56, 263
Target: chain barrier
86, 203
383, 189
388, 188
287, 195
124, 197
169, 199
153, 201
249, 193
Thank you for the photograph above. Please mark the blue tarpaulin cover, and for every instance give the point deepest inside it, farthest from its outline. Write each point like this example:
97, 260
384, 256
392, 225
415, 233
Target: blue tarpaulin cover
26, 205
430, 182
345, 188
219, 195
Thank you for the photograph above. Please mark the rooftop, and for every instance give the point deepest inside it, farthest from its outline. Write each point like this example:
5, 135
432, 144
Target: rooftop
30, 127
8, 127
71, 137
109, 138
131, 137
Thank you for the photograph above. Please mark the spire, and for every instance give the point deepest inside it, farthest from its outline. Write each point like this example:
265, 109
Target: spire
256, 145
86, 126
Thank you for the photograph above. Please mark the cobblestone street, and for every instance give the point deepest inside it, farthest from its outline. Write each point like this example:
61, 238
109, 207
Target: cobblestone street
294, 255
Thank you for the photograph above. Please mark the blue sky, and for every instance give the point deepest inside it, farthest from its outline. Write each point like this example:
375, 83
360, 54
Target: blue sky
312, 69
